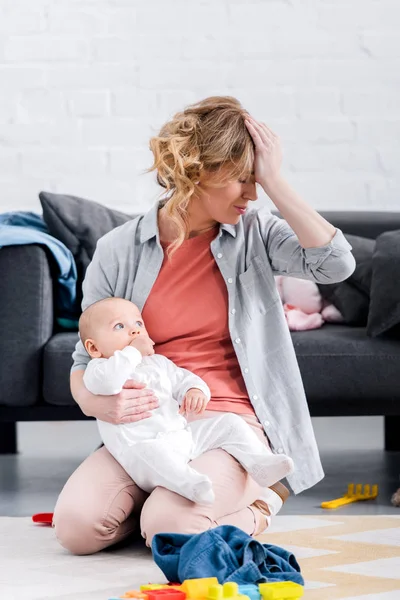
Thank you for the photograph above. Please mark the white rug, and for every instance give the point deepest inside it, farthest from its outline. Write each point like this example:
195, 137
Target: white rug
33, 566
351, 558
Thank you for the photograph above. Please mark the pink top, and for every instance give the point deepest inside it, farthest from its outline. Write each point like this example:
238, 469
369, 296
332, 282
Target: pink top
186, 315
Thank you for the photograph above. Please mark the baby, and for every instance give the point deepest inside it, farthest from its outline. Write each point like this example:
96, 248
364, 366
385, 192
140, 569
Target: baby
156, 451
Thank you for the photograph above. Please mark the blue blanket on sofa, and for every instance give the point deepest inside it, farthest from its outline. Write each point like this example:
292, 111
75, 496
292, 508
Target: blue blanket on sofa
19, 227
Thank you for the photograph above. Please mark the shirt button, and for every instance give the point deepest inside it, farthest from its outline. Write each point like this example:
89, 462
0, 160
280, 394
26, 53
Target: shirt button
237, 340
255, 397
230, 280
219, 255
280, 450
266, 423
246, 370
233, 311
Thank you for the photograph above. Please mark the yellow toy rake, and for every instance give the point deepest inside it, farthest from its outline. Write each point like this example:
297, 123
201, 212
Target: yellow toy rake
355, 493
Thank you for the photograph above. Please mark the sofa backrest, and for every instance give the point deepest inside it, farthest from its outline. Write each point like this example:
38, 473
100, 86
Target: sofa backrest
363, 223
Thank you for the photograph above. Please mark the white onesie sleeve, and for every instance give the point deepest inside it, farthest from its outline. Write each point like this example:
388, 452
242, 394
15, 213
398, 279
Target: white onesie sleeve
107, 376
183, 380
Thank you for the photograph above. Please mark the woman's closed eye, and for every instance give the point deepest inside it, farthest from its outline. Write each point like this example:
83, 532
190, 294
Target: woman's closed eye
248, 179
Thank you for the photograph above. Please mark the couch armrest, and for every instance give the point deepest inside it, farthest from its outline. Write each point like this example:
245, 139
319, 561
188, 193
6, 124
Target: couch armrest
26, 322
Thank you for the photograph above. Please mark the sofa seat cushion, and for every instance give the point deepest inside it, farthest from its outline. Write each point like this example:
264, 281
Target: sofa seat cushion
343, 370
342, 367
57, 362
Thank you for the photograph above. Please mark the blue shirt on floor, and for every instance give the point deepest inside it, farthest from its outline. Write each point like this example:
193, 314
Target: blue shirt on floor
225, 552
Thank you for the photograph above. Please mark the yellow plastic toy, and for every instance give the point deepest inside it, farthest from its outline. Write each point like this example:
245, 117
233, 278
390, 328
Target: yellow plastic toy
353, 495
227, 591
197, 589
284, 590
153, 586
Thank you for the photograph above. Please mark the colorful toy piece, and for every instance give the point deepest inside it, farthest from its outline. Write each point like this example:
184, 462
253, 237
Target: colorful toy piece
43, 518
155, 591
251, 590
153, 586
210, 589
197, 589
166, 594
354, 494
284, 590
228, 591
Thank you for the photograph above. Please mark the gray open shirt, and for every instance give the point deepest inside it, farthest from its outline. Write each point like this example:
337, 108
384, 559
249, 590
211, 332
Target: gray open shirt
127, 262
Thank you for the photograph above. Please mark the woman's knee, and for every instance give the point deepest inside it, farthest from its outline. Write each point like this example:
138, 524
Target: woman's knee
167, 512
80, 535
93, 510
87, 529
76, 532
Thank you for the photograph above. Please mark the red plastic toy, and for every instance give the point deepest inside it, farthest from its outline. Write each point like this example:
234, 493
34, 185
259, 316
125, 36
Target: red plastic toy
165, 594
43, 518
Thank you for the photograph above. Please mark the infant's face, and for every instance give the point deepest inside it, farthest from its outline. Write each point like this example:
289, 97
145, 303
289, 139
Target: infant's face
118, 323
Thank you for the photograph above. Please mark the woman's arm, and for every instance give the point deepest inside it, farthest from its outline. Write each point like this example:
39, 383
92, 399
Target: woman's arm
304, 244
312, 230
323, 264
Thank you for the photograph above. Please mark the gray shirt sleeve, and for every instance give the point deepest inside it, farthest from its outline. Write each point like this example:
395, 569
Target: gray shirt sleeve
99, 283
325, 264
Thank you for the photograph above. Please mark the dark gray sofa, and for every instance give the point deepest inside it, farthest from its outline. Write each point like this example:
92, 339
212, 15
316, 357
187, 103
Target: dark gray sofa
344, 371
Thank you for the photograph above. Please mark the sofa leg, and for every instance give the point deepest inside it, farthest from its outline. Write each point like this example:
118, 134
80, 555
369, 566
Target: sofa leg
8, 438
392, 433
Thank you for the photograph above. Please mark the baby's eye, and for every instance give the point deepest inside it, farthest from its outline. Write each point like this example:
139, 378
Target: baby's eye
139, 323
119, 326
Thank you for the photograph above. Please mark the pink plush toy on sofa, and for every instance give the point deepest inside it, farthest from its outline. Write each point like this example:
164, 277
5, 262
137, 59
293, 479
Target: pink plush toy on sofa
303, 304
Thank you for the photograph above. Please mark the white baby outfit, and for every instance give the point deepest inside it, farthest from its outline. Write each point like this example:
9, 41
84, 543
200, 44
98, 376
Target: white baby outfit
156, 451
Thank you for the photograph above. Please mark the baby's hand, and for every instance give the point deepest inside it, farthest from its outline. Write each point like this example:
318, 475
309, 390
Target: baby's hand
195, 401
144, 344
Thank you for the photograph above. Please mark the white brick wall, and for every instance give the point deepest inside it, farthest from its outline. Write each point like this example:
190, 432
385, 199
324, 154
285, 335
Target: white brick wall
85, 83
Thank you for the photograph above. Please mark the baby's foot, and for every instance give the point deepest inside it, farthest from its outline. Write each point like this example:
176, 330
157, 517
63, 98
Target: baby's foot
202, 491
271, 468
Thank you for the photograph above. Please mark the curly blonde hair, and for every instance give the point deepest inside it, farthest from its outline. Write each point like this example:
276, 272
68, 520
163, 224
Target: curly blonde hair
206, 137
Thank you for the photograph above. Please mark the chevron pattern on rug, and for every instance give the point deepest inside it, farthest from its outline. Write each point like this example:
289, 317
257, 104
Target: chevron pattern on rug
343, 558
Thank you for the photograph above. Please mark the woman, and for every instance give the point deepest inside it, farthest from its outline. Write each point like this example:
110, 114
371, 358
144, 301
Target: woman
200, 265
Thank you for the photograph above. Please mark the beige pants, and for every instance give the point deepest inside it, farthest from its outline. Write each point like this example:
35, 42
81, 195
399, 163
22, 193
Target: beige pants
101, 505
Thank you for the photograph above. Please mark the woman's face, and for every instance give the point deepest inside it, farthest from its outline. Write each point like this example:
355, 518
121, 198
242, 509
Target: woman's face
227, 202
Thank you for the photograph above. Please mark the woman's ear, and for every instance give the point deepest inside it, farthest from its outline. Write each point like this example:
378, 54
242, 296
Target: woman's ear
91, 349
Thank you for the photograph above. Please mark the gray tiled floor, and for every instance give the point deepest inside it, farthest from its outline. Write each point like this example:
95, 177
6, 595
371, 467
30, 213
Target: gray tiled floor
351, 451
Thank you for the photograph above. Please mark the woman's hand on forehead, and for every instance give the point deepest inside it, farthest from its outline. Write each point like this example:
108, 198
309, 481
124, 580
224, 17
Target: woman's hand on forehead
268, 152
